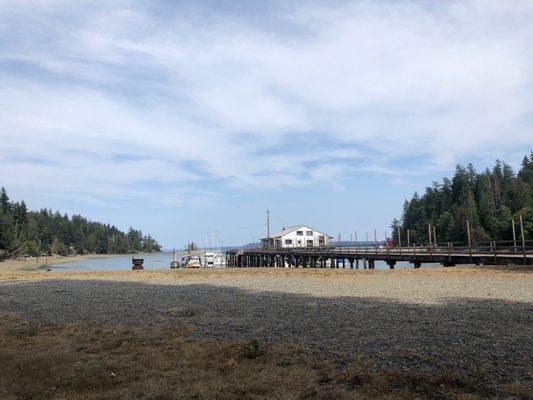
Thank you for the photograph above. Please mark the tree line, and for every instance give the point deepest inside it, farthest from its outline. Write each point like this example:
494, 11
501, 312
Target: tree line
24, 232
490, 200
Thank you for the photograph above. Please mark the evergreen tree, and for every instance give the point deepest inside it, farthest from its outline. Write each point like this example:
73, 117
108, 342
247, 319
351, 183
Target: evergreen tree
489, 201
4, 201
33, 233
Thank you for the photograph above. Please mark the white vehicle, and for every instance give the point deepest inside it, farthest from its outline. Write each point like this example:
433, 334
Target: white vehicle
191, 261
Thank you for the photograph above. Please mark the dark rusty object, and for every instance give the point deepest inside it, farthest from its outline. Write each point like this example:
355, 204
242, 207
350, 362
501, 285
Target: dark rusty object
137, 263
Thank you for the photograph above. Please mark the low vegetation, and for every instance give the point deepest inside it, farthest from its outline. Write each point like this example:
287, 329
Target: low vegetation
124, 362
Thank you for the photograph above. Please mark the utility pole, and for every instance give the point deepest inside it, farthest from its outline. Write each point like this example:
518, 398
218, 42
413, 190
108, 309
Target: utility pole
468, 233
268, 228
469, 239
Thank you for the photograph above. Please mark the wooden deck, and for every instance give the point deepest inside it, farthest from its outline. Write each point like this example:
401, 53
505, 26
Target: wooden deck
492, 253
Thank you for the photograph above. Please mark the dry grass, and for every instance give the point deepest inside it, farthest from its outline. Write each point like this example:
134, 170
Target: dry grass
115, 362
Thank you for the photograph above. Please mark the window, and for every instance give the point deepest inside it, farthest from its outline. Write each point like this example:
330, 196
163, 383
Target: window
309, 233
299, 242
310, 243
288, 241
299, 233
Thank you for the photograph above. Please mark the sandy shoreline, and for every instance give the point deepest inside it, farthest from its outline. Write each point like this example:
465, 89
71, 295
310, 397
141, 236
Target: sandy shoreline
34, 264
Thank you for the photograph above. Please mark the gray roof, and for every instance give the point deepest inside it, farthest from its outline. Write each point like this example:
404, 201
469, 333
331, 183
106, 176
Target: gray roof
290, 229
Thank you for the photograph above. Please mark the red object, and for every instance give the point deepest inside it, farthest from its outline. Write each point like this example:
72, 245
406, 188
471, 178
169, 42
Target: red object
390, 243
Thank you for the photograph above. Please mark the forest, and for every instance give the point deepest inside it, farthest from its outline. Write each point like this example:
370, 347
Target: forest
33, 233
490, 200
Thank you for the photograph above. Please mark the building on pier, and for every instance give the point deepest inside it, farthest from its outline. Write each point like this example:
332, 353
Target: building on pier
296, 236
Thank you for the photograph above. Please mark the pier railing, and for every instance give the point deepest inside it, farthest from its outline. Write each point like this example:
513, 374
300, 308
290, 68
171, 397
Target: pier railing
496, 252
489, 247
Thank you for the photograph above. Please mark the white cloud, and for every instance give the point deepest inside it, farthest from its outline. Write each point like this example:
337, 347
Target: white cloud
195, 95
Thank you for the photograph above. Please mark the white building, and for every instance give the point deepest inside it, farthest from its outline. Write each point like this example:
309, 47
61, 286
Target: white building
297, 236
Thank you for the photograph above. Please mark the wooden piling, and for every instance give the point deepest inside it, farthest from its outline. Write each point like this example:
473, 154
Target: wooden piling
376, 240
399, 239
514, 235
523, 239
469, 239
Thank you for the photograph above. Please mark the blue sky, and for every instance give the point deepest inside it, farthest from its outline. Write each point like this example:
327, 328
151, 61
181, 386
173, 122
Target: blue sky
181, 118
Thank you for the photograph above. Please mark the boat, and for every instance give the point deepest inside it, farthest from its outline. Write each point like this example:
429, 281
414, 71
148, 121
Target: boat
175, 262
209, 257
191, 261
219, 260
213, 256
213, 259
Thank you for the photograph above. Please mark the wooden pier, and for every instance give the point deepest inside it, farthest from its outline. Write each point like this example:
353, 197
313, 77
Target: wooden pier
492, 253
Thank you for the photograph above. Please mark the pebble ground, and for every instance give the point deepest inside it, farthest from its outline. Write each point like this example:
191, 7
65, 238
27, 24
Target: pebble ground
467, 320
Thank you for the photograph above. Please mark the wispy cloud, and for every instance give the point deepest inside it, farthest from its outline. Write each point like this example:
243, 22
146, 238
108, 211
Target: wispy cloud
192, 94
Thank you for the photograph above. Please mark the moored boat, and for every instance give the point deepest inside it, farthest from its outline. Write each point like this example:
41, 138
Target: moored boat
191, 261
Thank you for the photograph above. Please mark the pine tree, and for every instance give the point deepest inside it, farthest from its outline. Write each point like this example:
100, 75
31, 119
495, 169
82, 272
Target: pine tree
488, 200
27, 232
5, 206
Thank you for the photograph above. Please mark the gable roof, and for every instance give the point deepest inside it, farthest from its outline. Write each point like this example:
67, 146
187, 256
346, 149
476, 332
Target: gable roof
290, 229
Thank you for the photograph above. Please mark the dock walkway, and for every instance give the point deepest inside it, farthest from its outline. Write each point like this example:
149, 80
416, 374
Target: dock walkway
336, 257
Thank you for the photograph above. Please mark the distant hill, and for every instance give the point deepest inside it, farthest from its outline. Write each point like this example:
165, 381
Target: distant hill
24, 232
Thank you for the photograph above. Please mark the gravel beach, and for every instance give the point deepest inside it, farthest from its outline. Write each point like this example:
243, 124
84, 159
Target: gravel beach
464, 319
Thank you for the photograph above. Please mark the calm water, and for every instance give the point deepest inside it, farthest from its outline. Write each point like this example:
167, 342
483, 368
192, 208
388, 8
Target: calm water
151, 261
162, 261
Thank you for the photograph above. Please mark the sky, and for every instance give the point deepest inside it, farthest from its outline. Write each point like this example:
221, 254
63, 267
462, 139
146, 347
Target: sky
182, 118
